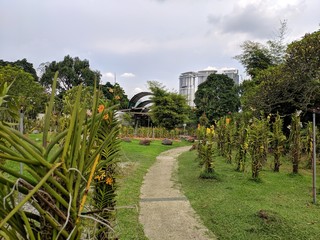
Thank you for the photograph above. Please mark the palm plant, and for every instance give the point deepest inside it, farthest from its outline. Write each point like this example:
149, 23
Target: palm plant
61, 170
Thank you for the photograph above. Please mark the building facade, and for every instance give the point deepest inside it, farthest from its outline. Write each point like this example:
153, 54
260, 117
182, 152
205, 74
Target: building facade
203, 75
187, 86
233, 74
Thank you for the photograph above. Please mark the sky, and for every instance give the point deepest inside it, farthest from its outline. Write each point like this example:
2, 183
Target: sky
135, 41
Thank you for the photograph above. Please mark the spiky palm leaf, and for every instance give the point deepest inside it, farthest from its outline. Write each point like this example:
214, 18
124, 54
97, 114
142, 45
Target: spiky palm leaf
61, 172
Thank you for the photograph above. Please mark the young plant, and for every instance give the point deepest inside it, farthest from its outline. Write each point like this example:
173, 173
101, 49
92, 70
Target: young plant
221, 136
295, 141
278, 141
257, 141
228, 140
242, 145
205, 151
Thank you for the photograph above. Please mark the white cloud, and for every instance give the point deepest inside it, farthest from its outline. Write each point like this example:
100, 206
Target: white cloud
154, 39
127, 75
108, 75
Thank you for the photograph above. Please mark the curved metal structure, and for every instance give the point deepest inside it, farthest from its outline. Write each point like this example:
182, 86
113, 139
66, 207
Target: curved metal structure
144, 103
133, 101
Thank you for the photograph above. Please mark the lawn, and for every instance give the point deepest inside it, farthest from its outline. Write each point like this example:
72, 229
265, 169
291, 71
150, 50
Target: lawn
235, 207
135, 161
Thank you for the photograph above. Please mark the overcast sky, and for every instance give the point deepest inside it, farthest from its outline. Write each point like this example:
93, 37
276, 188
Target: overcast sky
142, 40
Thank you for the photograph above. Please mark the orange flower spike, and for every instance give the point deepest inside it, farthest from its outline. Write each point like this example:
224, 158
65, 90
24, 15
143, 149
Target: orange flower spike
109, 181
228, 120
100, 108
106, 117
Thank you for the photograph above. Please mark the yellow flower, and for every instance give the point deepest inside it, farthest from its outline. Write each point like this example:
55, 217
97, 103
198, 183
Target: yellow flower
106, 117
228, 120
117, 97
111, 90
208, 130
109, 181
212, 129
100, 108
246, 146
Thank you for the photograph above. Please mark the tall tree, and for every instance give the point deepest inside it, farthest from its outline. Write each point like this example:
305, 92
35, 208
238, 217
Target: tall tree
293, 85
72, 72
216, 97
168, 110
255, 57
29, 94
23, 64
277, 46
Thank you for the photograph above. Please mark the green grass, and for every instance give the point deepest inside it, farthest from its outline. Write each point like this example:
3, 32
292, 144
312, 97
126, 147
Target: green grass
230, 204
138, 159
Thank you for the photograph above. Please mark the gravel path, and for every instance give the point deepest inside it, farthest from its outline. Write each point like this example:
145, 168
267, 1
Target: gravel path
164, 211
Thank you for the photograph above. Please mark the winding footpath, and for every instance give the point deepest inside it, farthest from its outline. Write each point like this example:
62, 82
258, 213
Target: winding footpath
165, 212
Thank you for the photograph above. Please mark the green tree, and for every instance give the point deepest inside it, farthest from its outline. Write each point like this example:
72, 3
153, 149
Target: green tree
115, 93
72, 72
285, 88
277, 46
303, 66
255, 57
168, 110
24, 65
216, 97
27, 93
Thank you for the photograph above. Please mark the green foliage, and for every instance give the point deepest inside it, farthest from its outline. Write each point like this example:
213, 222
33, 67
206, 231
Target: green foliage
295, 141
72, 72
216, 97
241, 140
278, 142
25, 92
292, 85
62, 171
70, 96
22, 64
205, 148
168, 110
258, 140
154, 132
8, 111
255, 57
115, 93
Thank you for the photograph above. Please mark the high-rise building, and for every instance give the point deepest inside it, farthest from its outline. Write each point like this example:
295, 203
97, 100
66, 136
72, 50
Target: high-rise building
232, 73
187, 86
203, 75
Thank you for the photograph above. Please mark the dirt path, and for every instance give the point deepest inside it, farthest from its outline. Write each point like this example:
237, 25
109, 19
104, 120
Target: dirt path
164, 211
